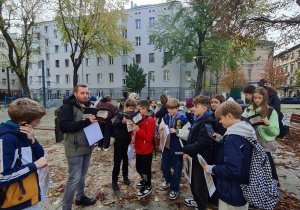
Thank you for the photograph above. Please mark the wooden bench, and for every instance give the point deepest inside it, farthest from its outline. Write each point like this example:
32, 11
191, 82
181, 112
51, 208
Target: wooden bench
295, 121
42, 127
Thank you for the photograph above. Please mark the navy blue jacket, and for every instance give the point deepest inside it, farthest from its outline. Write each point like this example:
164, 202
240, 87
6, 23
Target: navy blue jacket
120, 130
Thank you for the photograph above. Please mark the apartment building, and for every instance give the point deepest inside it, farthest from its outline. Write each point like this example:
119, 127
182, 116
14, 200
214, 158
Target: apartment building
289, 61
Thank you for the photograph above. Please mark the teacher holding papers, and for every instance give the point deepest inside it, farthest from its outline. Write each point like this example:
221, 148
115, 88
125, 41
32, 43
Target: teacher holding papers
77, 149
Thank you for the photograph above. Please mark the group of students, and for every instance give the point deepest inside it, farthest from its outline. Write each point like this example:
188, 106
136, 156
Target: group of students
212, 122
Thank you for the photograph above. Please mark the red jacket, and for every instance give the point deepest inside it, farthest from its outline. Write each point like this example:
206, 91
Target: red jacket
144, 137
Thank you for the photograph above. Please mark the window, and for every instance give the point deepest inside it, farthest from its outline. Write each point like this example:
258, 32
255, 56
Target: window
166, 75
138, 23
88, 78
152, 92
13, 82
12, 71
38, 35
87, 61
99, 78
292, 68
125, 52
137, 41
124, 82
46, 28
56, 48
187, 94
47, 56
138, 58
125, 68
3, 81
151, 21
57, 79
151, 76
48, 72
55, 34
3, 57
111, 60
99, 61
124, 33
166, 56
66, 62
3, 70
39, 64
166, 92
151, 57
46, 42
56, 63
48, 83
67, 78
111, 77
30, 79
111, 92
151, 39
167, 39
40, 79
66, 47
187, 76
1, 45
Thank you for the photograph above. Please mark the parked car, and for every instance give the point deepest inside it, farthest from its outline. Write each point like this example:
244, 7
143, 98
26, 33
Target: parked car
290, 100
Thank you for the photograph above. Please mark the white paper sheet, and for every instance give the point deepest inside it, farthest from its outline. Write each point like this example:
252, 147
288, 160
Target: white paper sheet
163, 136
208, 178
188, 169
167, 129
93, 133
130, 153
44, 181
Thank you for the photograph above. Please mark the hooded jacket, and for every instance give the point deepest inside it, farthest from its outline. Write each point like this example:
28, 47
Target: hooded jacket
71, 123
161, 112
233, 163
177, 122
104, 102
121, 133
8, 155
200, 141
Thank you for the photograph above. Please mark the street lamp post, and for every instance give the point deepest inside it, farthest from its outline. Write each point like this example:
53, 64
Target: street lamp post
202, 56
8, 83
148, 86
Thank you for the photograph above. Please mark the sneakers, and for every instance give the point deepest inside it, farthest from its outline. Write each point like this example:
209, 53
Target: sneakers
173, 195
144, 192
106, 149
126, 180
99, 148
115, 185
165, 185
85, 201
141, 184
190, 202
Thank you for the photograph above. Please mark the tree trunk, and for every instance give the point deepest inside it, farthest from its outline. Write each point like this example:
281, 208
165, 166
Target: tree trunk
199, 85
26, 91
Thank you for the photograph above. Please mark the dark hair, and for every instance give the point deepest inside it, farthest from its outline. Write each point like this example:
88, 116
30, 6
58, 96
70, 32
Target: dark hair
221, 98
249, 89
130, 102
163, 98
144, 104
203, 100
262, 83
123, 99
75, 89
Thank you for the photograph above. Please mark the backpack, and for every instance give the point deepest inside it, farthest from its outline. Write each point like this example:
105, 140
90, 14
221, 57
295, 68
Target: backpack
59, 136
261, 191
283, 128
155, 139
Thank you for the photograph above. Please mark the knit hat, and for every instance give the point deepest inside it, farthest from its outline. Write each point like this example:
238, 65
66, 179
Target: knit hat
93, 98
189, 103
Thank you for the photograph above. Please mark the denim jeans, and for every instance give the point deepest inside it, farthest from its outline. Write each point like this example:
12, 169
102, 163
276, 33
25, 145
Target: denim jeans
172, 161
78, 167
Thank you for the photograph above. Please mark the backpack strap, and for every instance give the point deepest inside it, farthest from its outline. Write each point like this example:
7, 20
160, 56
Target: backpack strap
270, 110
152, 138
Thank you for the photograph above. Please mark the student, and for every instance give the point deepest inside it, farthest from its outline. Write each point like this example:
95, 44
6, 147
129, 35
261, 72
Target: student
248, 91
232, 165
133, 96
163, 109
200, 142
122, 141
153, 108
17, 136
142, 139
215, 102
93, 100
189, 114
172, 153
120, 106
273, 99
266, 133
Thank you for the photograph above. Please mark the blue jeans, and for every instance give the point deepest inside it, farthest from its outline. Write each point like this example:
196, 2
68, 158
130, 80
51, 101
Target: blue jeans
172, 161
78, 167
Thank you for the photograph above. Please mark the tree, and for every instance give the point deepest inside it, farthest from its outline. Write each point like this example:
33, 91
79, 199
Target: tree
183, 31
234, 79
135, 78
20, 15
92, 27
297, 79
274, 73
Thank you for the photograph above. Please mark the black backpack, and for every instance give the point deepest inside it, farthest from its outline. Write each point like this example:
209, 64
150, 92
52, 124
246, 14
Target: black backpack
283, 128
59, 136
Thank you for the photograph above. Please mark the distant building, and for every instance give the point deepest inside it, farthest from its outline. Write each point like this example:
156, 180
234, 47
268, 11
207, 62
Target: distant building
289, 61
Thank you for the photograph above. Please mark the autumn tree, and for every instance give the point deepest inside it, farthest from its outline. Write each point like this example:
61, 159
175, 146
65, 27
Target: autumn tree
234, 79
182, 29
274, 73
21, 15
135, 78
297, 79
92, 27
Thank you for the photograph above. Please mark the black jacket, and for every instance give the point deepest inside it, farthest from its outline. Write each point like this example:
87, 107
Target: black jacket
274, 101
120, 130
161, 113
199, 140
219, 129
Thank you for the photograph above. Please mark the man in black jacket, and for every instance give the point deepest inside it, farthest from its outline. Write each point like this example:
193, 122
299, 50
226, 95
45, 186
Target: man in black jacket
77, 149
200, 142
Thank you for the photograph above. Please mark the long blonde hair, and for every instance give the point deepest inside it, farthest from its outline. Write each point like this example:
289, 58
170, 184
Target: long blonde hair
264, 104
